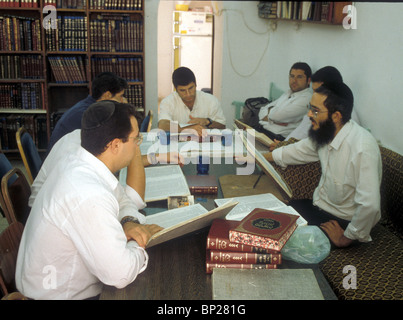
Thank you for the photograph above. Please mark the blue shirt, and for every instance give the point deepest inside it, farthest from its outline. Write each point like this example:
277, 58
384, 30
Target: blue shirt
70, 121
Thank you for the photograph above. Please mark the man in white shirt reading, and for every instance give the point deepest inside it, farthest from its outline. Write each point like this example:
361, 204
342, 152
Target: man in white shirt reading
187, 108
280, 117
83, 229
346, 203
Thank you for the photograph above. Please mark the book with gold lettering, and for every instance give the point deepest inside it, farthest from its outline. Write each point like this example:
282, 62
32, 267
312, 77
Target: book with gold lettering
264, 228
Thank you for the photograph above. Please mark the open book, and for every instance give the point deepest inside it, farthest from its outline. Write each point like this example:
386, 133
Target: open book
162, 182
247, 204
264, 164
181, 221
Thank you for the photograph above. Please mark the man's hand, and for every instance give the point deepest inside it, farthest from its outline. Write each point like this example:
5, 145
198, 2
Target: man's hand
140, 233
336, 233
274, 145
200, 121
195, 129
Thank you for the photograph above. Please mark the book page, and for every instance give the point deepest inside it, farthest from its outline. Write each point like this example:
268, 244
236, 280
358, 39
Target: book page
184, 220
161, 182
172, 217
265, 165
164, 181
264, 201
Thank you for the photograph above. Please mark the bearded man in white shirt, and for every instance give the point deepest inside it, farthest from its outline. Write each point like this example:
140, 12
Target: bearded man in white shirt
187, 108
83, 229
346, 203
280, 117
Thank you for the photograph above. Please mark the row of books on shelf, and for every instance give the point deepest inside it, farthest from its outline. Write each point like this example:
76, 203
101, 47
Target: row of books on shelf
134, 95
116, 35
35, 125
68, 69
21, 67
70, 34
116, 4
303, 10
19, 3
21, 96
129, 68
20, 33
255, 242
67, 4
96, 4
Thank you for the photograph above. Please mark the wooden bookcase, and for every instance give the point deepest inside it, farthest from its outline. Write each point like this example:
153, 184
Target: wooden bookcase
319, 12
46, 69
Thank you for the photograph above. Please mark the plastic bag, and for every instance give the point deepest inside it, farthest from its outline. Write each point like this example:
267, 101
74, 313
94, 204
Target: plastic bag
308, 244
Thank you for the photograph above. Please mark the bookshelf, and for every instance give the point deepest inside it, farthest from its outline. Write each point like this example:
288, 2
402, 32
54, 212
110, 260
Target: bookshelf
323, 12
44, 70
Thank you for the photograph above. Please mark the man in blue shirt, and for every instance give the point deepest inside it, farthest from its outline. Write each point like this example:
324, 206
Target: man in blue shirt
105, 86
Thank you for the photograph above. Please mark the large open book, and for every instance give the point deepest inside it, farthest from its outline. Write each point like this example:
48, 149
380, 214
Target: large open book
162, 182
181, 221
263, 163
247, 204
261, 137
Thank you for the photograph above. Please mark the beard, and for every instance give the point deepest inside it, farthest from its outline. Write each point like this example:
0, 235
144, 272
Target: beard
324, 134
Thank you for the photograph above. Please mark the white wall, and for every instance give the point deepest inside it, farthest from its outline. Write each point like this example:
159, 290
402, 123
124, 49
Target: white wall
369, 58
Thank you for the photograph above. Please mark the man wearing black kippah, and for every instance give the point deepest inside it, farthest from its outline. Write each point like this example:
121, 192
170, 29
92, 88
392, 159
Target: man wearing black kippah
346, 203
84, 230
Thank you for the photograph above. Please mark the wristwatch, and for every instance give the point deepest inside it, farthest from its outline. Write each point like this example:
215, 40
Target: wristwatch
209, 122
129, 219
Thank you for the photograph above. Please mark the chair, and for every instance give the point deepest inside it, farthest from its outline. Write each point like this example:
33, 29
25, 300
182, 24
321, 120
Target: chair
147, 122
9, 243
14, 197
5, 166
29, 153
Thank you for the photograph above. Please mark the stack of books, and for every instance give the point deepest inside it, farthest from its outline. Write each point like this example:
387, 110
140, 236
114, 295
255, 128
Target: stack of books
252, 243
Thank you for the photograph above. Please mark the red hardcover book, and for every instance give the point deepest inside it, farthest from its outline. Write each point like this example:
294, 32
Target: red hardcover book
218, 238
210, 266
264, 228
216, 256
202, 184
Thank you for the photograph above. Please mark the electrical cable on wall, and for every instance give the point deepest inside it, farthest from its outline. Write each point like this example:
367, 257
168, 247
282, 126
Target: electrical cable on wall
249, 28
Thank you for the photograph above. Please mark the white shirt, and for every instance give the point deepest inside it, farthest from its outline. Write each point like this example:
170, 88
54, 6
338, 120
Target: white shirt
205, 106
289, 108
73, 240
349, 187
68, 144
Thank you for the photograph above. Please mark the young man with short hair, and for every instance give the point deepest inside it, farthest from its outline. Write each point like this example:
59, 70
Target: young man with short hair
280, 117
188, 108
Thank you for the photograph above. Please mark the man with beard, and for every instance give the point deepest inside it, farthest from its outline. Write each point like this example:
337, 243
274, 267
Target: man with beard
346, 203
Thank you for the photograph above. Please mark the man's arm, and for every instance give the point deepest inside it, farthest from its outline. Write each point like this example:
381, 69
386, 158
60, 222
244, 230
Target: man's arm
136, 177
167, 125
206, 122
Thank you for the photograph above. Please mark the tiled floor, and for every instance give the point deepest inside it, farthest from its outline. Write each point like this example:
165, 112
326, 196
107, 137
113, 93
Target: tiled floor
18, 164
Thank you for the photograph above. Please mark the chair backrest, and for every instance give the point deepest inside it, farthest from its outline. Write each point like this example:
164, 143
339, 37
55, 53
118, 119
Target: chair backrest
29, 153
9, 243
5, 166
147, 122
15, 196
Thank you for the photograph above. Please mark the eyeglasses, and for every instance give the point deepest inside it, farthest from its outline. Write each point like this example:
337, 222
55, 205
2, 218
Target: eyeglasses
314, 110
138, 140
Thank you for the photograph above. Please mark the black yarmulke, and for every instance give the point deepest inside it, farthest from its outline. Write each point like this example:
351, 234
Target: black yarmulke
97, 114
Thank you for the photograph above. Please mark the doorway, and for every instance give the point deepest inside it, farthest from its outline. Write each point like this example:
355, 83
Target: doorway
185, 38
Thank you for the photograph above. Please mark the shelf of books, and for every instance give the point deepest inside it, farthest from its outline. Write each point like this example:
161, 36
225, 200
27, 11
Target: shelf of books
322, 12
45, 69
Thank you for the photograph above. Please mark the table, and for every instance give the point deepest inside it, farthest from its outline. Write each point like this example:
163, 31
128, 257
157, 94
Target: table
176, 269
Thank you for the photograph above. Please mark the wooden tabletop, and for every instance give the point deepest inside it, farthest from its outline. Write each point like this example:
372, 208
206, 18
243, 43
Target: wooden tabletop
177, 268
